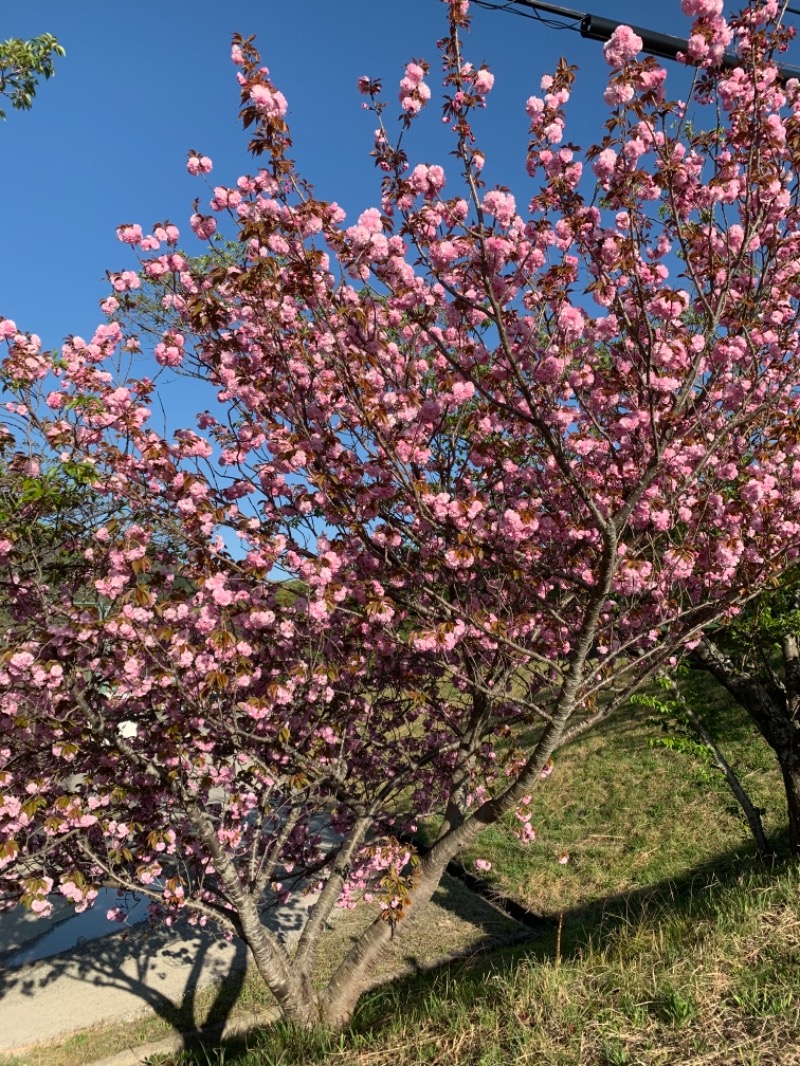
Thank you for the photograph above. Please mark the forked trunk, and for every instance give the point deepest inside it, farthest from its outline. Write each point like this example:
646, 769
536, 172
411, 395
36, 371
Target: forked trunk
354, 974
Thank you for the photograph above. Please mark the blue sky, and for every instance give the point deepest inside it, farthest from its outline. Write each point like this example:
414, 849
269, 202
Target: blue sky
142, 83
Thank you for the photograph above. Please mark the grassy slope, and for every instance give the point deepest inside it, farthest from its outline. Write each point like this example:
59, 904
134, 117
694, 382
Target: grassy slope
631, 814
668, 943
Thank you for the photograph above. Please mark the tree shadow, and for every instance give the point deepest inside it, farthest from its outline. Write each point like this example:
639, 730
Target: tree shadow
566, 939
122, 974
114, 977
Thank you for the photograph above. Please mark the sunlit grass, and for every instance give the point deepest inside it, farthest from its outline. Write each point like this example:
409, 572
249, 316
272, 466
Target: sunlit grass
705, 975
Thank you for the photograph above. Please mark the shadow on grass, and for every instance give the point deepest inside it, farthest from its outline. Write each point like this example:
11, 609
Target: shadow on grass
699, 889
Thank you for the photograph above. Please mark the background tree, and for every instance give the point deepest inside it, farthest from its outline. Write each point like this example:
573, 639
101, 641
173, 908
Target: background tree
757, 660
22, 63
518, 463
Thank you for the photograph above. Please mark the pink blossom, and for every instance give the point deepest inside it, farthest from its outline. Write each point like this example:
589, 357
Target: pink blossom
167, 233
462, 391
698, 47
604, 164
484, 80
130, 234
500, 204
220, 593
414, 93
125, 282
527, 834
482, 865
318, 610
414, 73
701, 8
198, 164
203, 226
618, 93
268, 101
622, 46
370, 220
571, 322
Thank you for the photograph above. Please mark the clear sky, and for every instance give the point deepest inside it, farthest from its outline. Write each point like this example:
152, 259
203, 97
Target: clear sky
144, 82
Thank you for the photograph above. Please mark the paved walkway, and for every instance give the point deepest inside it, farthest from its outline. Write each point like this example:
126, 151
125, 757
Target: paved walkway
116, 978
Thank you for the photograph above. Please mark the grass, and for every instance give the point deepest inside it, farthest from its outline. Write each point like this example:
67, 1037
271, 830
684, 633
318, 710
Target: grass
706, 973
668, 942
630, 814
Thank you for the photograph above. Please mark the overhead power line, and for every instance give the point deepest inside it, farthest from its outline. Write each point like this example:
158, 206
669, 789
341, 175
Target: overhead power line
598, 28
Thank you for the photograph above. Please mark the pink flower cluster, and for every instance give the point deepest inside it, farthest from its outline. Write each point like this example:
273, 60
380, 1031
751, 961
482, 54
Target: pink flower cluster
702, 8
268, 101
501, 205
414, 93
198, 164
203, 226
428, 181
623, 46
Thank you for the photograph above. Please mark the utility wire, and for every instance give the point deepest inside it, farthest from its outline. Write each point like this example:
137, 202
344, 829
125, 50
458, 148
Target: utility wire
597, 28
511, 9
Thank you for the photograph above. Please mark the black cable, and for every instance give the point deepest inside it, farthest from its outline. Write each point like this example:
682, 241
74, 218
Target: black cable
597, 28
509, 8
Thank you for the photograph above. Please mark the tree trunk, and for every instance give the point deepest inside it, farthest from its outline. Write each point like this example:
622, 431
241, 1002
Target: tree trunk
751, 812
272, 961
790, 769
774, 710
352, 975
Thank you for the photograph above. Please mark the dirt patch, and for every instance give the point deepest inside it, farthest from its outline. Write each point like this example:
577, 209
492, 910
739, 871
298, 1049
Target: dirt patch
457, 921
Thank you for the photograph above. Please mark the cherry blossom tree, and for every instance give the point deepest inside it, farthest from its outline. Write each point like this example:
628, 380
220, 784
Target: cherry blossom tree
489, 467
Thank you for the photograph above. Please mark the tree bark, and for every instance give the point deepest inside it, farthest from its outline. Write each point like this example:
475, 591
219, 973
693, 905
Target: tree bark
346, 985
790, 771
750, 811
269, 955
775, 710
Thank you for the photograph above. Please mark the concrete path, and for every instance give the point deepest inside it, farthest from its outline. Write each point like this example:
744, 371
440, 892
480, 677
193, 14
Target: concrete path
85, 981
118, 977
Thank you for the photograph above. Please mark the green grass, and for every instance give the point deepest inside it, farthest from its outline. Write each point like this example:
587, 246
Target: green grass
631, 815
668, 943
706, 973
